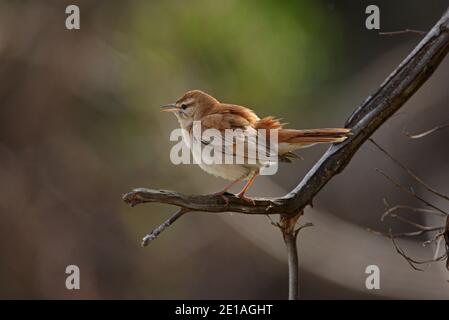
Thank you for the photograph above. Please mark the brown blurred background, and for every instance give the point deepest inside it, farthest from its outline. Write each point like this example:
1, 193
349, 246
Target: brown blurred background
80, 125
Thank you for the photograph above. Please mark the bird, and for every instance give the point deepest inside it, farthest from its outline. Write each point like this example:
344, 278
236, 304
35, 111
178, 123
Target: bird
196, 106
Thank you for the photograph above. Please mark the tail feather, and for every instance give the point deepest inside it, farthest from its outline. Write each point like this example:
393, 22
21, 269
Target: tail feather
291, 139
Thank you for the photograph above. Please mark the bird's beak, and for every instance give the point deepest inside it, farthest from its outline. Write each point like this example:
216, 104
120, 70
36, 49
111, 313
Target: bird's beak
169, 107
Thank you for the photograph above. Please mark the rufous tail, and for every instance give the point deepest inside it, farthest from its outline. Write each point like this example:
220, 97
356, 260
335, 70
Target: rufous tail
291, 139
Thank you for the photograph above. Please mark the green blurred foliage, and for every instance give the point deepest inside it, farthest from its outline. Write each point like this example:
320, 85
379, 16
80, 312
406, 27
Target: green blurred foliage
264, 54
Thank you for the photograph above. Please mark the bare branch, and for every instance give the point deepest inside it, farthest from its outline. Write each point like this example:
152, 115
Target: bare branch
155, 233
406, 234
303, 226
437, 249
435, 238
426, 133
422, 229
209, 203
377, 108
417, 233
417, 225
290, 234
293, 268
393, 209
393, 33
409, 260
412, 262
411, 192
410, 173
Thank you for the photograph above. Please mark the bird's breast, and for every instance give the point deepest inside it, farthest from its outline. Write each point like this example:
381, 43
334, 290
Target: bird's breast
227, 171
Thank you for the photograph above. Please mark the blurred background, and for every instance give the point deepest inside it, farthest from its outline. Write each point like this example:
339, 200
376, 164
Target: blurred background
80, 125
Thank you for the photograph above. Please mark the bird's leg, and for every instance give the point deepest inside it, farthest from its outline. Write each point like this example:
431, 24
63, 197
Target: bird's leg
227, 187
241, 194
225, 190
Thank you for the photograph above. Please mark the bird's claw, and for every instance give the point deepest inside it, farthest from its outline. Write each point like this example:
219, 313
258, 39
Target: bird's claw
224, 195
241, 196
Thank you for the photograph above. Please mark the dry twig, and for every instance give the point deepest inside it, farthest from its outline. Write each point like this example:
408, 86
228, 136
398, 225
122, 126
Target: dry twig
394, 33
422, 229
426, 133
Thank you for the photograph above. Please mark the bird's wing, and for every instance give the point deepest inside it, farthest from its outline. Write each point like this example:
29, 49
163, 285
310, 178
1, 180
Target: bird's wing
234, 136
240, 113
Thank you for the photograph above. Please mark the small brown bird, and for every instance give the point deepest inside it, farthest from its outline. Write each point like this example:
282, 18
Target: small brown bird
196, 105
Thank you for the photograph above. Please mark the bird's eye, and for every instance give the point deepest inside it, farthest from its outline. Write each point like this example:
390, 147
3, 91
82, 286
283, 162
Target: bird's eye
183, 106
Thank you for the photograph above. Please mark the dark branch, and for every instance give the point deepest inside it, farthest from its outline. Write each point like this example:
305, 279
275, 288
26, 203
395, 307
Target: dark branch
207, 203
403, 82
290, 234
155, 233
293, 267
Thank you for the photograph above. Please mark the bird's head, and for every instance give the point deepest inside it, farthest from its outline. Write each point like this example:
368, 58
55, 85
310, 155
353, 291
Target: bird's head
191, 106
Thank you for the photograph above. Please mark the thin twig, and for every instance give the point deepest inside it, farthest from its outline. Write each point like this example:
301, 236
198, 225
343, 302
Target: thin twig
393, 33
272, 222
303, 226
437, 249
412, 261
410, 173
435, 238
411, 192
414, 224
156, 232
421, 227
393, 209
426, 133
417, 233
405, 234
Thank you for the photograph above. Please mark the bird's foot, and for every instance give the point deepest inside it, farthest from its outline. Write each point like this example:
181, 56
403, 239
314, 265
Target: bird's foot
244, 198
224, 195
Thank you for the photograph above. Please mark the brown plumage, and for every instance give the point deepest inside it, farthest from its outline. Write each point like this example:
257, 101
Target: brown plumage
199, 106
